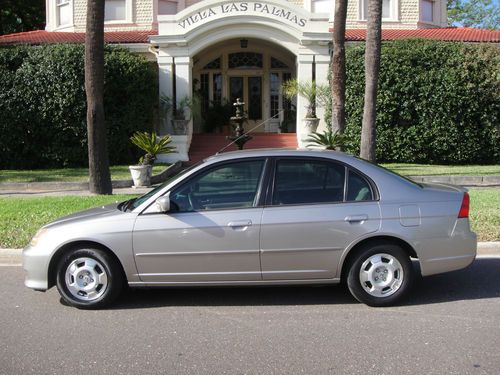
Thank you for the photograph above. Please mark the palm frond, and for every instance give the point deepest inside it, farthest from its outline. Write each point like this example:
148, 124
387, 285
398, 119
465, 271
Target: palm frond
151, 145
328, 139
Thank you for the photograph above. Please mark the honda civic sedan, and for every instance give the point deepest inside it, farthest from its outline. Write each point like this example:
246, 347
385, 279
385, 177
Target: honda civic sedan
260, 217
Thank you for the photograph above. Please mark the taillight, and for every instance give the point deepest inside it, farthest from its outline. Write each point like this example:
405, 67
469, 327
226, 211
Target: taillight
464, 209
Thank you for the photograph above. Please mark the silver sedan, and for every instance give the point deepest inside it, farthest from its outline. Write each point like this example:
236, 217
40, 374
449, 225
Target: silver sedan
260, 217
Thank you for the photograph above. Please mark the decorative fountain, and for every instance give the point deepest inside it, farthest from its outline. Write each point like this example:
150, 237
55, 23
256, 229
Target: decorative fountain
239, 137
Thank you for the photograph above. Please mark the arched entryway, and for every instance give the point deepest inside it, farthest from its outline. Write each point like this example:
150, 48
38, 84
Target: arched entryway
246, 68
202, 48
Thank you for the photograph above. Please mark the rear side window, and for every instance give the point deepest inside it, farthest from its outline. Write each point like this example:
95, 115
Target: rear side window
358, 189
303, 182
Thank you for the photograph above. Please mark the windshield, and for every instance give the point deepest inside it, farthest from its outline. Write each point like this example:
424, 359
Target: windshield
136, 202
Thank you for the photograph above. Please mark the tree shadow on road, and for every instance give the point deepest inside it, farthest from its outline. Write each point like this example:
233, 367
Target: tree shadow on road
481, 280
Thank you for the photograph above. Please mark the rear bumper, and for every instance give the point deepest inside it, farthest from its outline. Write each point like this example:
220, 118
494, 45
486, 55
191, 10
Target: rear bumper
448, 254
36, 265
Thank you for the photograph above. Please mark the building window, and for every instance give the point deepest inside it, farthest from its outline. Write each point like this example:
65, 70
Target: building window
389, 10
115, 10
214, 64
217, 88
167, 7
278, 64
322, 6
427, 11
245, 60
204, 92
63, 12
274, 87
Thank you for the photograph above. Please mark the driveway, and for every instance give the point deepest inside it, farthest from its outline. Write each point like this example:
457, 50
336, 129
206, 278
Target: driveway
450, 325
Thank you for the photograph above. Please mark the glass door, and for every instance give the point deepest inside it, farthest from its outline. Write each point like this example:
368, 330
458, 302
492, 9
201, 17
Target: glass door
249, 90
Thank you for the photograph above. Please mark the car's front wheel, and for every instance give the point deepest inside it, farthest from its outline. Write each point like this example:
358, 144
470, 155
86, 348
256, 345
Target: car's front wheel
88, 278
380, 274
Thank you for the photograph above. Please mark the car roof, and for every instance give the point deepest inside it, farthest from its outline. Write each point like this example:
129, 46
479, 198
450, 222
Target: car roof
262, 152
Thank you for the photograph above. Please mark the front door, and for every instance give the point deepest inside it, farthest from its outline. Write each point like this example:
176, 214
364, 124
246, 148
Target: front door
212, 233
249, 90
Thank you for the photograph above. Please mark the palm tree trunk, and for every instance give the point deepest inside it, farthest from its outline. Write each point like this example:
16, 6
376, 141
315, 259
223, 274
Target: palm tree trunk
372, 66
338, 67
99, 176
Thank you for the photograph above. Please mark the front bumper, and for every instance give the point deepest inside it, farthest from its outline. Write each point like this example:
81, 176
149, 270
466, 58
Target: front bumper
36, 265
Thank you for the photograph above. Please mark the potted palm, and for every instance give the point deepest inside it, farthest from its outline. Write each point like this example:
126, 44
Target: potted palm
308, 90
179, 120
152, 145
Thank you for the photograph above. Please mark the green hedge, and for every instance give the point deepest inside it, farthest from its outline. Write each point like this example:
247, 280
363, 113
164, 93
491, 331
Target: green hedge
43, 105
438, 102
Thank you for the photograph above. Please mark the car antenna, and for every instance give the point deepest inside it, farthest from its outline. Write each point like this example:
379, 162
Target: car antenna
249, 131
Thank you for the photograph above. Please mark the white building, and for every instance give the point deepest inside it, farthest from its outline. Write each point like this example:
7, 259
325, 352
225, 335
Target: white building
227, 49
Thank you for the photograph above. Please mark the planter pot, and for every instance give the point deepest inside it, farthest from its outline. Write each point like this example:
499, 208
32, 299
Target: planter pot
180, 127
310, 125
141, 175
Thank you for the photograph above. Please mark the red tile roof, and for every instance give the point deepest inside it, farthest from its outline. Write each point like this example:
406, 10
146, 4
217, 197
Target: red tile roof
462, 34
45, 37
449, 34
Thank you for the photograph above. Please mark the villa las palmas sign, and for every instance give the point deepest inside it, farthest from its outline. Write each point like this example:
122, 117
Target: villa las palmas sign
243, 7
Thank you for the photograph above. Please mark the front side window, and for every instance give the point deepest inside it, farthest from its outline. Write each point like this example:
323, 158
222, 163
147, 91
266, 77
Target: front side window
229, 186
308, 182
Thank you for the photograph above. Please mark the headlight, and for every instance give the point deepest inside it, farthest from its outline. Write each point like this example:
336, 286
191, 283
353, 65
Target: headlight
36, 238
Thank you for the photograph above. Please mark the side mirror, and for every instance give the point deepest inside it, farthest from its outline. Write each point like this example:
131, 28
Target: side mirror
163, 203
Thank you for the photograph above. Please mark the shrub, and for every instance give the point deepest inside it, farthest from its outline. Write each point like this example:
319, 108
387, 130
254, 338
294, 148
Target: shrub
438, 102
43, 105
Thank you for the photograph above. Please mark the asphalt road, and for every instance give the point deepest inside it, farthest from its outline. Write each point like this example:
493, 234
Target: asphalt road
450, 325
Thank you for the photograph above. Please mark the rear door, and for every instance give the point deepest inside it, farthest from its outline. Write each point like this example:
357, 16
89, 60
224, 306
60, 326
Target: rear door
317, 207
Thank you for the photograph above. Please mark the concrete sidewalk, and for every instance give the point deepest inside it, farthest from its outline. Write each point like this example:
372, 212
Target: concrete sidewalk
14, 256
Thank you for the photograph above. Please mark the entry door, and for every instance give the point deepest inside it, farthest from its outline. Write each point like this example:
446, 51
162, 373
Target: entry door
249, 90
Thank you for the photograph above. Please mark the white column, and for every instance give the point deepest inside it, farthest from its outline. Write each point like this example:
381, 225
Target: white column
322, 67
166, 79
304, 74
183, 88
183, 79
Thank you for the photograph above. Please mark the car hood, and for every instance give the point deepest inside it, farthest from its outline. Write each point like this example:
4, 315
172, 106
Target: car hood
92, 213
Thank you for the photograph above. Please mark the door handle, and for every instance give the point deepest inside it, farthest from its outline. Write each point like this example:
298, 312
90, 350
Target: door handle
356, 218
240, 224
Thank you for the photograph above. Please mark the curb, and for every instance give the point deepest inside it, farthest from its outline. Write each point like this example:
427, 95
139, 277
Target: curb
483, 248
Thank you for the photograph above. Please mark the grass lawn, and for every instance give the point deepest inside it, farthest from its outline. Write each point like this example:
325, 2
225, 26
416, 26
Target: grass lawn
21, 217
485, 213
118, 172
443, 170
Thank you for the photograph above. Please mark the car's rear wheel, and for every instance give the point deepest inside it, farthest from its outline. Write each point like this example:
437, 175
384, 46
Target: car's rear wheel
88, 278
380, 274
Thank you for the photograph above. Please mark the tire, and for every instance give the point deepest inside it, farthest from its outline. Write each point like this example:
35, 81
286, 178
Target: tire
89, 278
380, 274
